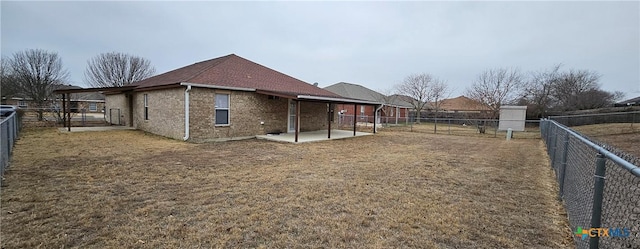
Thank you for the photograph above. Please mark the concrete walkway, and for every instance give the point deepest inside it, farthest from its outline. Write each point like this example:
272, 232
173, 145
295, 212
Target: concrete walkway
97, 128
312, 136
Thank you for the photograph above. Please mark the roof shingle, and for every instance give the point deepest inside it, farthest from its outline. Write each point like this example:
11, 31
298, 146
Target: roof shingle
235, 71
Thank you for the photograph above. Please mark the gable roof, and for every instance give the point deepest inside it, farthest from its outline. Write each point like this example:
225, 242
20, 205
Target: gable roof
402, 100
232, 71
462, 103
354, 91
633, 101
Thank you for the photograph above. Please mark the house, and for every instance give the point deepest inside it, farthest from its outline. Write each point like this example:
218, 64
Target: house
629, 102
392, 110
462, 104
228, 97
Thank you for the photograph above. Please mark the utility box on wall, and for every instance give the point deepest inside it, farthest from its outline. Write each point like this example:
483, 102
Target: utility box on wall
512, 117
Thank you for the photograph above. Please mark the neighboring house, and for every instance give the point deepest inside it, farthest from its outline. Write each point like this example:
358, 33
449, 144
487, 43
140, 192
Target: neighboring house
89, 101
629, 102
462, 104
223, 98
393, 108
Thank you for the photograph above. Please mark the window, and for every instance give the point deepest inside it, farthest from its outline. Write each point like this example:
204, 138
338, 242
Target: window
93, 107
222, 109
146, 107
362, 110
22, 104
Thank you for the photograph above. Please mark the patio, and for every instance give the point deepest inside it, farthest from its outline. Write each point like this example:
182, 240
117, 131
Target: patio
312, 136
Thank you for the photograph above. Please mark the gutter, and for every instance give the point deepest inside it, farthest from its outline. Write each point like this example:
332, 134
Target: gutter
217, 87
375, 116
186, 113
338, 100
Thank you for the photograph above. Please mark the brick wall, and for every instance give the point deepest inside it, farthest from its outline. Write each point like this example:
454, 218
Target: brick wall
166, 112
113, 103
313, 116
250, 113
247, 111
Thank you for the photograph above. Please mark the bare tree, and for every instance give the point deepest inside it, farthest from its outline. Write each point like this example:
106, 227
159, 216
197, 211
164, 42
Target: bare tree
439, 90
117, 69
566, 91
417, 87
8, 87
575, 88
496, 87
37, 73
539, 90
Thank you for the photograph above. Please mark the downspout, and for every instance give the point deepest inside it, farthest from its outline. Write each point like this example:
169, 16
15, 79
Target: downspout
375, 116
186, 113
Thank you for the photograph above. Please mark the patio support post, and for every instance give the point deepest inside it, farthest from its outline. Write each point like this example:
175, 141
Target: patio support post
355, 111
64, 112
329, 116
375, 115
397, 113
297, 121
69, 113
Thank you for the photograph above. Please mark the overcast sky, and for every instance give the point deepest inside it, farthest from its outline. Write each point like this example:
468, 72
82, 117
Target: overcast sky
375, 44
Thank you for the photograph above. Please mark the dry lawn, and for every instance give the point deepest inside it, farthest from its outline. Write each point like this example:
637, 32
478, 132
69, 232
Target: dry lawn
467, 131
624, 136
128, 189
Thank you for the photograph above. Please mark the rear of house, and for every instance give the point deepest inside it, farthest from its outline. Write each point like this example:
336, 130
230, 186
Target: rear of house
224, 98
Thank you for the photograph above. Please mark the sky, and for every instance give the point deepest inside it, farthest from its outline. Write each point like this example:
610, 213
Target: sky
374, 44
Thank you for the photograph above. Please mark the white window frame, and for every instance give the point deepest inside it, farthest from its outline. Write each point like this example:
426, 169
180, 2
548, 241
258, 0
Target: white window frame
23, 104
228, 109
94, 105
146, 106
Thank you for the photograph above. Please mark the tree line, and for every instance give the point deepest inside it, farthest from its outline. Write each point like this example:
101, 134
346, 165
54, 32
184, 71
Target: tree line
34, 74
545, 91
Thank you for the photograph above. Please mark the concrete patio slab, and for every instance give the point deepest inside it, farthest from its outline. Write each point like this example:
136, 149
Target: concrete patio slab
312, 136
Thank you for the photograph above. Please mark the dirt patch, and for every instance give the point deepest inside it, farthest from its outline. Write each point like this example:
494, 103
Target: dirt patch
394, 189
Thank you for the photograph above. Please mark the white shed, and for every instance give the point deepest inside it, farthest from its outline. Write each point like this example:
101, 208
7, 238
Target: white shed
512, 117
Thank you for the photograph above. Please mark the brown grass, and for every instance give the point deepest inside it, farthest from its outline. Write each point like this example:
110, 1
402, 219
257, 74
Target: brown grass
395, 189
624, 136
467, 131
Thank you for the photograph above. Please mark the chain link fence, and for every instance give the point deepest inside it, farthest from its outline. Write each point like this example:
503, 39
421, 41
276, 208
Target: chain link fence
600, 187
445, 126
9, 131
632, 118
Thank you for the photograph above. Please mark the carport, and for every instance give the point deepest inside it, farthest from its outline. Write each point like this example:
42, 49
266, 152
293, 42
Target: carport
66, 99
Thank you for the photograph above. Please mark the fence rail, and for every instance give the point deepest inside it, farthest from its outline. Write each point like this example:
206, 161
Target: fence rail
9, 130
600, 187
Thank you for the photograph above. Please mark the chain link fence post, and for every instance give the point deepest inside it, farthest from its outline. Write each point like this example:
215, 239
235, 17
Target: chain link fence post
598, 189
563, 164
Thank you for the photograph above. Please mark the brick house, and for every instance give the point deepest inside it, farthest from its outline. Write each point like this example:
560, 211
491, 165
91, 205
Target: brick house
223, 98
392, 109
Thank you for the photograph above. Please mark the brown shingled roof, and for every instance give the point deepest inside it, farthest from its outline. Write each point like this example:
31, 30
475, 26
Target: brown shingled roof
462, 103
235, 71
